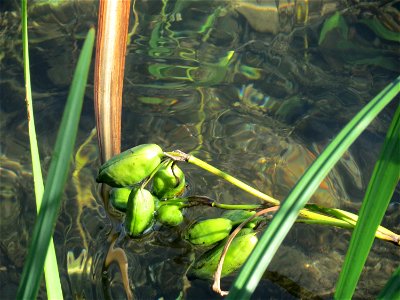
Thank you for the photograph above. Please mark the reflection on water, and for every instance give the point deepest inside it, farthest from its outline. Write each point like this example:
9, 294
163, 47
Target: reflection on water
254, 88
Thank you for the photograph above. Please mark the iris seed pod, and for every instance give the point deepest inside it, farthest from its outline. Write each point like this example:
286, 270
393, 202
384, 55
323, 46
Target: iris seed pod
119, 197
170, 215
131, 166
205, 266
209, 231
140, 211
168, 181
238, 216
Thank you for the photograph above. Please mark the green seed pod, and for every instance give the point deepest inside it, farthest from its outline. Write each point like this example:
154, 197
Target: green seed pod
205, 266
170, 215
119, 197
238, 216
140, 211
130, 166
168, 181
209, 231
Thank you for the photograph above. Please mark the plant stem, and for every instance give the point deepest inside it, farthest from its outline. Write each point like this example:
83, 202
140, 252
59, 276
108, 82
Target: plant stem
203, 200
218, 273
382, 232
310, 217
312, 214
236, 206
178, 155
233, 180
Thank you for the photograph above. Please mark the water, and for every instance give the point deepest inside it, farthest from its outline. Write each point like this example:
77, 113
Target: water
207, 77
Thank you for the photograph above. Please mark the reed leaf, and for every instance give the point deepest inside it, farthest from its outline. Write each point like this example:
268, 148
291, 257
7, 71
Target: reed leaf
376, 200
57, 176
52, 276
392, 287
255, 266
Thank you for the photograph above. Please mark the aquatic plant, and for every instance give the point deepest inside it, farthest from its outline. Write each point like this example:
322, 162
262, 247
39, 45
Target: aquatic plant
377, 198
371, 212
52, 277
57, 176
287, 213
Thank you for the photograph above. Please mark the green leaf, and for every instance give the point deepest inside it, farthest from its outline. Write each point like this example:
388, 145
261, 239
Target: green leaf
379, 192
254, 268
392, 287
151, 100
380, 30
57, 176
336, 21
52, 276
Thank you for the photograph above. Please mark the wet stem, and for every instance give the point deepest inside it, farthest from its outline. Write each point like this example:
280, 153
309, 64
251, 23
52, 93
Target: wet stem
314, 215
217, 275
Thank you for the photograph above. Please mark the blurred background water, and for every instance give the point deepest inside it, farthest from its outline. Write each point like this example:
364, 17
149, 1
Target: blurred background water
256, 88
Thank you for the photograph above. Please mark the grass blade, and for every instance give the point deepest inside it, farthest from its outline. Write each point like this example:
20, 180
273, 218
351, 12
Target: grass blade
45, 222
255, 266
52, 276
392, 287
379, 192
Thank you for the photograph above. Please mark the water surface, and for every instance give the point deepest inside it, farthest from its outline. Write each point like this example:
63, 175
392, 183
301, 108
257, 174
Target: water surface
253, 90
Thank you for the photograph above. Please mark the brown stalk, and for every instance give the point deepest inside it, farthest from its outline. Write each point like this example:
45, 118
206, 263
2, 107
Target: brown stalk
118, 256
217, 275
113, 21
112, 34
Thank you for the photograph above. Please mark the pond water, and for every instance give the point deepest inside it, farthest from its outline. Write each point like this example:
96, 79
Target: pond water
256, 88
